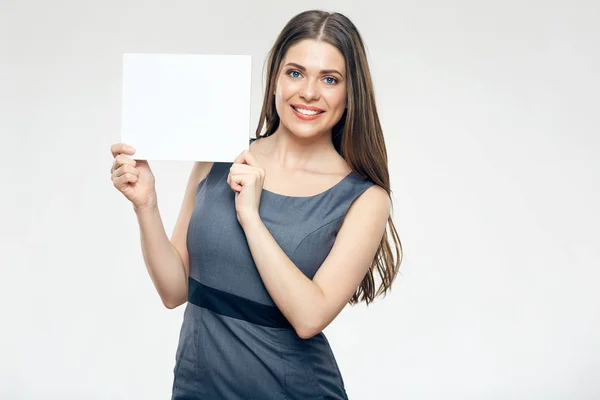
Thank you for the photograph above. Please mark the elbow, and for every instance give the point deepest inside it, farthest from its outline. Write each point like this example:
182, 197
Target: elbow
305, 334
170, 306
174, 298
308, 331
171, 303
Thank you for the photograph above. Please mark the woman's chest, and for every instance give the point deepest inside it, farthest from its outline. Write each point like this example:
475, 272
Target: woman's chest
300, 228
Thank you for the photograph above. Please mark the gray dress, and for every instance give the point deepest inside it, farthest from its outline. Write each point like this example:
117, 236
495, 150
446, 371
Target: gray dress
234, 341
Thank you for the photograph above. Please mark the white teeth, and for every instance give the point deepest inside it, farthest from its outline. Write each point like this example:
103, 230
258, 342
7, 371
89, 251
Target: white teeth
306, 112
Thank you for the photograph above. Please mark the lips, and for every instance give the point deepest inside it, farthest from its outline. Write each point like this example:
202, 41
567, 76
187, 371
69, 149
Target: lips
305, 107
307, 117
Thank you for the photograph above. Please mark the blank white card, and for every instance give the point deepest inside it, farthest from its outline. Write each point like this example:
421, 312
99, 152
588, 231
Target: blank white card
186, 107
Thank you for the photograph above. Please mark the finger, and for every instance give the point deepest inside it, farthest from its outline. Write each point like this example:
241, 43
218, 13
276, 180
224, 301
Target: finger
240, 158
246, 176
246, 157
119, 148
246, 162
236, 182
124, 169
124, 180
122, 160
241, 168
250, 159
240, 171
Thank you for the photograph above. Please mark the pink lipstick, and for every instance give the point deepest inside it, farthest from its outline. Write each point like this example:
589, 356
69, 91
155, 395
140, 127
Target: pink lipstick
313, 112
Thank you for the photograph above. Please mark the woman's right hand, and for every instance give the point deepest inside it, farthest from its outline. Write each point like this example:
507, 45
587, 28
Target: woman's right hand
132, 178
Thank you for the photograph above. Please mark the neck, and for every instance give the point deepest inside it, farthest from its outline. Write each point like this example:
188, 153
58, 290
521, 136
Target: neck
291, 151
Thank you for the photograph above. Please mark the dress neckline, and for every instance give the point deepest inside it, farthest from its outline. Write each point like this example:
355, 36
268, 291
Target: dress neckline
313, 196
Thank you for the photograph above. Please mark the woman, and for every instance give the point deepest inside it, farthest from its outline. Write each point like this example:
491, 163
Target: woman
268, 250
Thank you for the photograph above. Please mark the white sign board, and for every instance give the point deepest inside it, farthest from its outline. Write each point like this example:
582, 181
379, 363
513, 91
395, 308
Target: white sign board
186, 107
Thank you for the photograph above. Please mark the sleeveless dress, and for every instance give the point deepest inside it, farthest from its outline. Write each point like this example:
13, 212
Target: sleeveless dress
234, 342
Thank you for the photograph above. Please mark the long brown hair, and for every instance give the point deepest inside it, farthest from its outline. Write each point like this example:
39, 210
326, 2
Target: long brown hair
357, 137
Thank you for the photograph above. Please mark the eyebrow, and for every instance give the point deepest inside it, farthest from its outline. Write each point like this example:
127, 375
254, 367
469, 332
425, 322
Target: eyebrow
324, 71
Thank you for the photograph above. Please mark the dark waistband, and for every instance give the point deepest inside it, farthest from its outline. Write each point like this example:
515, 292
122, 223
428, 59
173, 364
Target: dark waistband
233, 306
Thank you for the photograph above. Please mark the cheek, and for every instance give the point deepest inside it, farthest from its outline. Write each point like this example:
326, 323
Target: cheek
337, 99
283, 93
279, 96
337, 102
284, 90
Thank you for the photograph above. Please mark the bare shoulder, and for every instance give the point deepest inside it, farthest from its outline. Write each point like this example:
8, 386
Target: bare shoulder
377, 195
374, 203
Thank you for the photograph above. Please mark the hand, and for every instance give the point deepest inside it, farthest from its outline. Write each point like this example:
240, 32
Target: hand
246, 178
132, 178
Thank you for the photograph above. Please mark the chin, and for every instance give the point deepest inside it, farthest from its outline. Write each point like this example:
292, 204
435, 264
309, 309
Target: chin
305, 131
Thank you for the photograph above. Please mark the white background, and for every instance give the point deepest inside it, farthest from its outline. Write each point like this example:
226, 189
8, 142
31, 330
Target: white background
490, 113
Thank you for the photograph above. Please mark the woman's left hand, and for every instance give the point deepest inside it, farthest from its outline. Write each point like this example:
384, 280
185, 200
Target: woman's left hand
246, 179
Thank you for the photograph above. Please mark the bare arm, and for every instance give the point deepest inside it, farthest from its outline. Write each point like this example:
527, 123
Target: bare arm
167, 261
311, 305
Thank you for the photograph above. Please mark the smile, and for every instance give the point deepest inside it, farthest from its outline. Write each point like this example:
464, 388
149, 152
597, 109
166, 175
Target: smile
307, 114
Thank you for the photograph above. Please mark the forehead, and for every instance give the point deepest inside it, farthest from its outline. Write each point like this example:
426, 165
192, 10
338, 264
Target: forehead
315, 55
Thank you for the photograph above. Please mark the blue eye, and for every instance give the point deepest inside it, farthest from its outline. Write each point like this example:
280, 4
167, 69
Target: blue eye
294, 72
332, 79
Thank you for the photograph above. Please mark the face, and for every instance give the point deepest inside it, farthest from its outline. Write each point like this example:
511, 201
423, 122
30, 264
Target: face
310, 93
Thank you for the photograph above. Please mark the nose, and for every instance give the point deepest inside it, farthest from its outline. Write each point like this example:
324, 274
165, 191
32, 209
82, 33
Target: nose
310, 90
